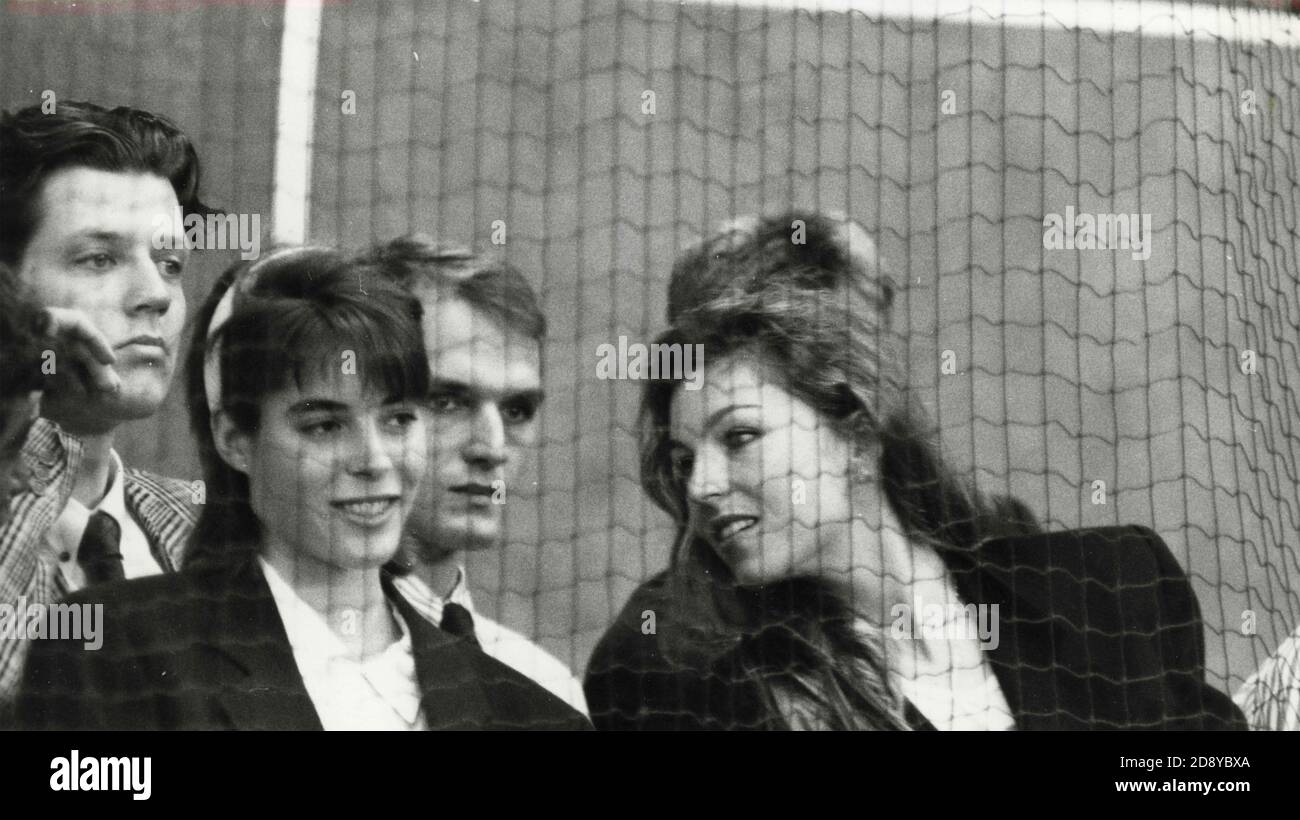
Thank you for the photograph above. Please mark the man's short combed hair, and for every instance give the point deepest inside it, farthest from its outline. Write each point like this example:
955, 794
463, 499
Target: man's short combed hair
35, 145
491, 285
23, 328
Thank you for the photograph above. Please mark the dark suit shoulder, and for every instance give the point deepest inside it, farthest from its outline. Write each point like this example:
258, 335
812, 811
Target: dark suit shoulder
633, 684
1114, 613
627, 646
520, 702
142, 598
1107, 555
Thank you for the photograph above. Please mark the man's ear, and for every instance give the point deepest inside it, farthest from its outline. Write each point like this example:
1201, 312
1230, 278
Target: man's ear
233, 444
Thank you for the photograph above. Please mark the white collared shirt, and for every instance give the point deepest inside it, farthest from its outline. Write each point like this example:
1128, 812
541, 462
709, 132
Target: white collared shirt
65, 535
497, 641
1270, 698
965, 698
379, 693
974, 704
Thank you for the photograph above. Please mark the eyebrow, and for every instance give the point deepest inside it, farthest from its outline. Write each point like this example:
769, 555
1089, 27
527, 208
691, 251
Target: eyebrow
317, 406
101, 236
534, 395
331, 406
713, 419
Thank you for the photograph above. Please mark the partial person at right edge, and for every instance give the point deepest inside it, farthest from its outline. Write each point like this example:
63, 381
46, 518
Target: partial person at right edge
1271, 696
814, 516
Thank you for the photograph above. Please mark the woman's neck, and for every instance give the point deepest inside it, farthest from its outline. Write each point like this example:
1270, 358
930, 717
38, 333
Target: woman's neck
351, 601
884, 569
891, 582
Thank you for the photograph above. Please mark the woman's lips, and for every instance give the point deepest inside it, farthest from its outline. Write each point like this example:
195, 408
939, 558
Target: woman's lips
724, 528
367, 512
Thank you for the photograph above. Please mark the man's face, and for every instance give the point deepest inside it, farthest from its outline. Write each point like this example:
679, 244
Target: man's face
486, 390
16, 418
94, 251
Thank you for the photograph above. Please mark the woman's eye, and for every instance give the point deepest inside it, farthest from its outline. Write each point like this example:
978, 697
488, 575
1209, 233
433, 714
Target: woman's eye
739, 438
682, 463
403, 419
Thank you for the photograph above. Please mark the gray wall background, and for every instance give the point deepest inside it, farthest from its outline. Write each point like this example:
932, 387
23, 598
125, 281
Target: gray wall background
1073, 366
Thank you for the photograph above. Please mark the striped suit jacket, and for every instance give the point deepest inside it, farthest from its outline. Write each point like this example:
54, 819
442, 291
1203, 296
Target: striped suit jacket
163, 508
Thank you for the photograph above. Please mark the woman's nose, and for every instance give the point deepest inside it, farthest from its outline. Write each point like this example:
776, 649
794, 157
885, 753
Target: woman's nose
708, 479
371, 454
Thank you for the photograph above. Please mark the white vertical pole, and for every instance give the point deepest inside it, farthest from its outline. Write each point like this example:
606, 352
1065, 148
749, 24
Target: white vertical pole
294, 121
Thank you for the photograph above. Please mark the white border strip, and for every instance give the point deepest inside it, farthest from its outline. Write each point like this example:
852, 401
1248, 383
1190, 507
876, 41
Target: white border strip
294, 120
1152, 18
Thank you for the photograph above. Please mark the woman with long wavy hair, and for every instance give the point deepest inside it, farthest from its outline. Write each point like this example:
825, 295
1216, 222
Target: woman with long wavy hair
830, 571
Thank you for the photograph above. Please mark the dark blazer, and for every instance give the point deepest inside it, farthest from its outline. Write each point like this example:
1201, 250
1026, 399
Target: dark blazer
206, 649
1098, 629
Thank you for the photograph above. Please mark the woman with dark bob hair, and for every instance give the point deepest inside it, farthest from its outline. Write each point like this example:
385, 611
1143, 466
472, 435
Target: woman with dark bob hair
308, 378
829, 571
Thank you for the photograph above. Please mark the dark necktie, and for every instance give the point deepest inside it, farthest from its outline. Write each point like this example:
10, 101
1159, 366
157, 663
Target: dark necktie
457, 621
100, 554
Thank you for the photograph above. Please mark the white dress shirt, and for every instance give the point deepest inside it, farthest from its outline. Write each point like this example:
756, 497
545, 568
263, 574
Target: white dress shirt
1270, 698
64, 536
381, 692
967, 698
971, 703
497, 641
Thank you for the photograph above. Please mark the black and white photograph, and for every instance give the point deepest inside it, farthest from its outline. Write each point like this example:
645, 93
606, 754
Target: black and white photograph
651, 366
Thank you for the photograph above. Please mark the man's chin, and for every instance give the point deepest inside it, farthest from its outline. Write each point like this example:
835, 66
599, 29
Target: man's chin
470, 539
102, 414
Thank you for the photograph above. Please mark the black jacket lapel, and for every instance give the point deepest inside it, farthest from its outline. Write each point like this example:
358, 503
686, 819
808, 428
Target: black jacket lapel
249, 659
452, 690
1027, 659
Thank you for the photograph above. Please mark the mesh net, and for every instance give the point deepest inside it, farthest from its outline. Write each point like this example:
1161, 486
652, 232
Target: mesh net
600, 140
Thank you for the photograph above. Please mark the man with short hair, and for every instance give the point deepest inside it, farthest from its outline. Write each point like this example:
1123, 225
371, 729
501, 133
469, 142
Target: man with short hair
87, 203
483, 333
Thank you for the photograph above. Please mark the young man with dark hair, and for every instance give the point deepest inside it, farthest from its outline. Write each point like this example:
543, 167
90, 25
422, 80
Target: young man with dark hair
88, 197
483, 331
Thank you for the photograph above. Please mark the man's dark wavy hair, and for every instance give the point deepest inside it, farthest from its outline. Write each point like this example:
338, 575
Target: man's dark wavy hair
34, 145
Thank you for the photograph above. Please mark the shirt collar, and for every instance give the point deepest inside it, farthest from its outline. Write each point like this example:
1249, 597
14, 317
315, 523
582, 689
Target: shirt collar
66, 531
316, 647
114, 501
305, 627
459, 593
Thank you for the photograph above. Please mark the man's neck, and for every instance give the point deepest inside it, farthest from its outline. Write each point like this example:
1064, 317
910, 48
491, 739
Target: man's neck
440, 574
96, 469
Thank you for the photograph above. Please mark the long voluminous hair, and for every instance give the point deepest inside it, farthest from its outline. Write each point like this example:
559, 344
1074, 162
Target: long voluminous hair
808, 297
